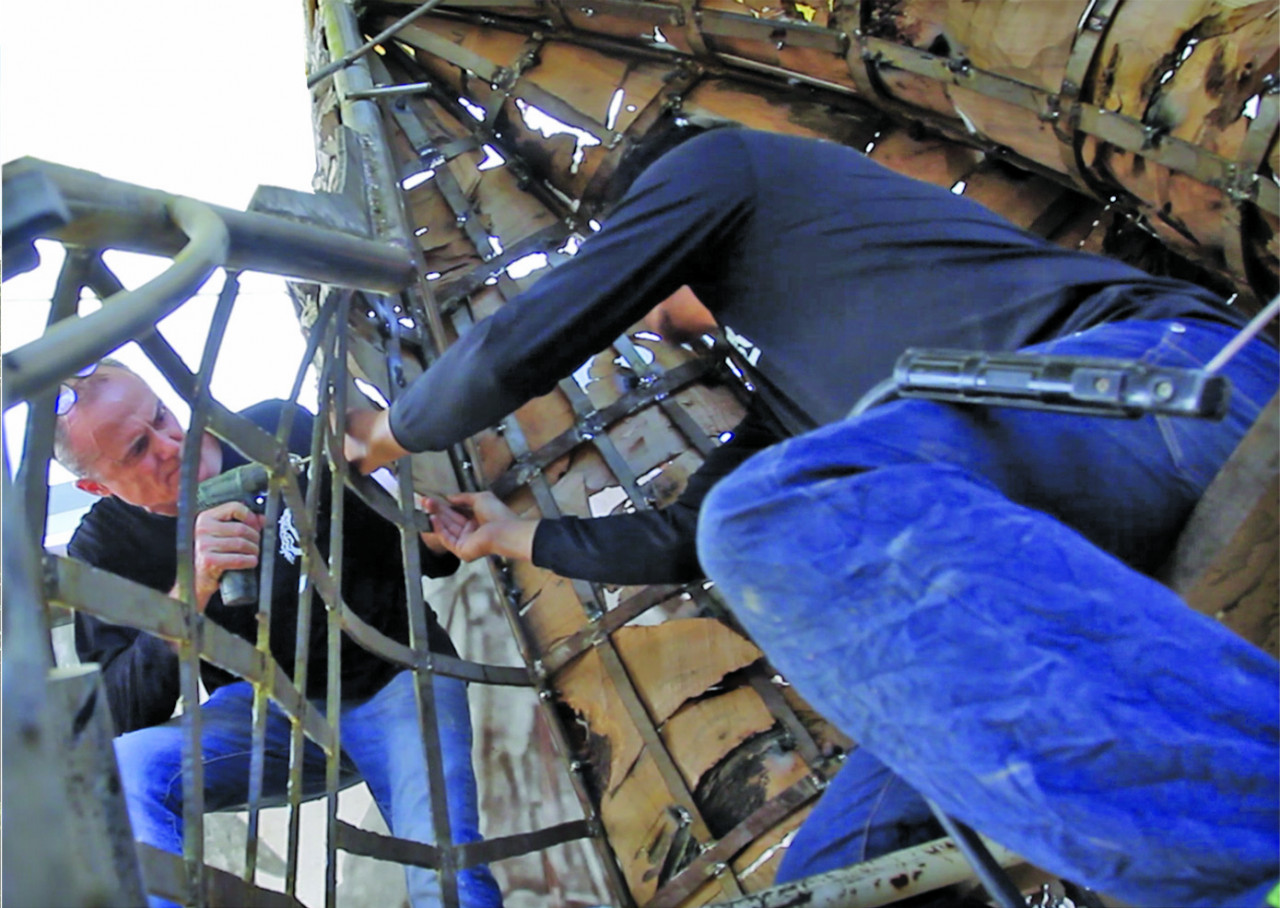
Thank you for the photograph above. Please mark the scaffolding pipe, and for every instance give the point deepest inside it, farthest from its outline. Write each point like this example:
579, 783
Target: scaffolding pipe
112, 214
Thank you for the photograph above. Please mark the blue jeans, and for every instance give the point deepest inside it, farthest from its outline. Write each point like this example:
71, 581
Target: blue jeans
381, 743
962, 590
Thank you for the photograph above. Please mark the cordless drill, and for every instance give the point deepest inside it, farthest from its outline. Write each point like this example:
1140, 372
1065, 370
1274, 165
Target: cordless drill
246, 484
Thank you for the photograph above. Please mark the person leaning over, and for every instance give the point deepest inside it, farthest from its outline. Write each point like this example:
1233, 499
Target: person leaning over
964, 591
125, 446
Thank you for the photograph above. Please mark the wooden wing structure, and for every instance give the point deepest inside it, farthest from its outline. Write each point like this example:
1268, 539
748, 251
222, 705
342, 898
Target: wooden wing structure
635, 746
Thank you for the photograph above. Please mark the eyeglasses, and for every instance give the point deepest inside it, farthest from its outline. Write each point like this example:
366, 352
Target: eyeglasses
67, 395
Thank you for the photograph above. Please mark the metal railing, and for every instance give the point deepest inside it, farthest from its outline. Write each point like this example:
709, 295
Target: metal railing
37, 777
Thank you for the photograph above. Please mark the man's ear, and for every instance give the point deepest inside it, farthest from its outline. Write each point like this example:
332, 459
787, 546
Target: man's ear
93, 487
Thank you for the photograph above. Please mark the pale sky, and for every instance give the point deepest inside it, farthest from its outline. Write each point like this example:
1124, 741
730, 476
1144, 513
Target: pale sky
206, 100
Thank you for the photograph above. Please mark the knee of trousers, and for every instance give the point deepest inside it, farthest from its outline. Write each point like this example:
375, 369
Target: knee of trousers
733, 517
150, 762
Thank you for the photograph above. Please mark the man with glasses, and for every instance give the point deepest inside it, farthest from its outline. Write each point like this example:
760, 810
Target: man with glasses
125, 446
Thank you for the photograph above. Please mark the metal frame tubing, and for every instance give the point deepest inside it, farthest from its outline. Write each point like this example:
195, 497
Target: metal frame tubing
114, 214
71, 344
881, 881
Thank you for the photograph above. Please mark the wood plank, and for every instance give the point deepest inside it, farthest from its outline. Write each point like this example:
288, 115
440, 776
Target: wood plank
700, 734
1225, 562
679, 660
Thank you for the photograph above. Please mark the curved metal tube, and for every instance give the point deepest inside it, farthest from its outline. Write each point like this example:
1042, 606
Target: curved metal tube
73, 343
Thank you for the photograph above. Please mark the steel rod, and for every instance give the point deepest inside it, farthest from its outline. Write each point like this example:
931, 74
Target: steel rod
347, 59
1247, 333
334, 407
985, 865
389, 91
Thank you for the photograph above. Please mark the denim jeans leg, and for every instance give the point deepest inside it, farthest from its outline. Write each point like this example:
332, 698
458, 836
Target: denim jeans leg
865, 812
1027, 681
150, 762
382, 737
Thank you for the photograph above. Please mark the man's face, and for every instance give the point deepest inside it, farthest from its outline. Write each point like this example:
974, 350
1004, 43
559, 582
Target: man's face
130, 443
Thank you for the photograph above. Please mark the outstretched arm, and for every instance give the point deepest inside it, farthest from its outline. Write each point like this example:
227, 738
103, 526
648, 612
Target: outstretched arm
647, 547
669, 230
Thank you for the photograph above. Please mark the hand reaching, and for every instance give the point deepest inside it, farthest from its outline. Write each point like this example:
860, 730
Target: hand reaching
475, 525
368, 443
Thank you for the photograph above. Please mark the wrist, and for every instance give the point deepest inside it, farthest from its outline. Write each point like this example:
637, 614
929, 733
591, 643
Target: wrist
386, 447
515, 538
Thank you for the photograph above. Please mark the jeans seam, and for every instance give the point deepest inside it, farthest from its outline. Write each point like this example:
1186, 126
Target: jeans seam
204, 764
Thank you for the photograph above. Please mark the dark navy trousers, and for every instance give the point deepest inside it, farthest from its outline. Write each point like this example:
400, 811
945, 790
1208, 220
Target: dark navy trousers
964, 590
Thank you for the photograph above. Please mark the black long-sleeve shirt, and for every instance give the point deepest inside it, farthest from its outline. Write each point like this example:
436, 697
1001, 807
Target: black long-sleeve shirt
140, 672
821, 265
649, 546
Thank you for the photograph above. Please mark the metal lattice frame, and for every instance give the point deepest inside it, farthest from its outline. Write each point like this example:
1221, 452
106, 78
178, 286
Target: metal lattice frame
32, 374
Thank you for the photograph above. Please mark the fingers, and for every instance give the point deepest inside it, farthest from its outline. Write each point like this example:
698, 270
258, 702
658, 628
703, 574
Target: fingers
356, 440
486, 506
227, 537
447, 519
369, 443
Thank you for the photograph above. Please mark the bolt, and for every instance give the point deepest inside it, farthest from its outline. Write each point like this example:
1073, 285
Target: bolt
1163, 389
1102, 384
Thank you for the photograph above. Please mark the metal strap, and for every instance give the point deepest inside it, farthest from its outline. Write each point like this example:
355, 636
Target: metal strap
1120, 130
657, 748
120, 601
779, 32
163, 873
715, 860
681, 81
1253, 151
529, 462
762, 684
591, 428
851, 18
511, 846
547, 239
679, 416
38, 447
658, 14
354, 840
564, 652
1065, 115
589, 594
446, 50
691, 19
